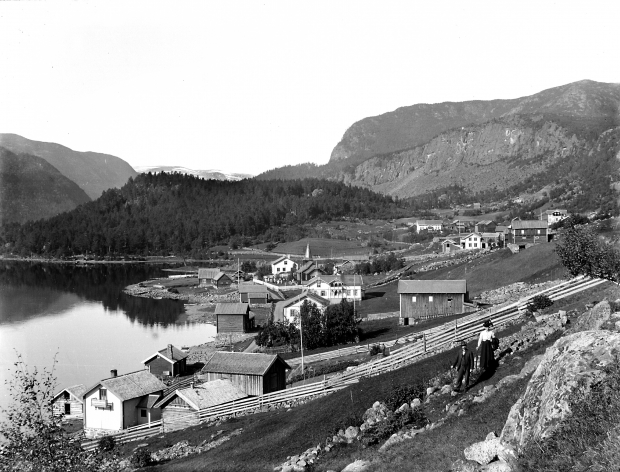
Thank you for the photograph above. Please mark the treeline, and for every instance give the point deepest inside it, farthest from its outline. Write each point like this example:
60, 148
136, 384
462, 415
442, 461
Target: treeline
183, 214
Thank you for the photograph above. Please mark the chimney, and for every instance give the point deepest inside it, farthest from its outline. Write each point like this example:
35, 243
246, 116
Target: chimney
169, 351
113, 373
191, 385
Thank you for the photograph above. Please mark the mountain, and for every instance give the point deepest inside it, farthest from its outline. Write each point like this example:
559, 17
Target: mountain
493, 146
31, 188
91, 171
203, 174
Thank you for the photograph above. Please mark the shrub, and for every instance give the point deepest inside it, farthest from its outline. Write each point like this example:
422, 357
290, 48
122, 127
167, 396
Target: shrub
141, 458
374, 349
539, 302
107, 443
403, 394
393, 423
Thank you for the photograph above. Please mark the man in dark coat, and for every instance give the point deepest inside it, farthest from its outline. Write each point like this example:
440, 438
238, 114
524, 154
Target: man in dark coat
464, 364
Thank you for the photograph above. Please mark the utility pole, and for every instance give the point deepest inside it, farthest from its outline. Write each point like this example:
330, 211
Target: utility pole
301, 343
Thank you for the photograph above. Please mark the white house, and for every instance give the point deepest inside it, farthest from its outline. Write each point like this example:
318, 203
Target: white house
121, 401
430, 225
472, 241
553, 216
287, 310
336, 288
283, 265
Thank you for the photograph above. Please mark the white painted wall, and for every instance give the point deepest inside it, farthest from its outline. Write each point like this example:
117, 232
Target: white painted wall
100, 418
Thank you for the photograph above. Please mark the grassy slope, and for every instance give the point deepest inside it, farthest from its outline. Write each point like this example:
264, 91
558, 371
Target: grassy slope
322, 247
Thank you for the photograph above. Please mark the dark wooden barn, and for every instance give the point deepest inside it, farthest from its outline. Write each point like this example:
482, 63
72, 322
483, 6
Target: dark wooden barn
254, 373
258, 294
425, 299
170, 361
527, 232
234, 318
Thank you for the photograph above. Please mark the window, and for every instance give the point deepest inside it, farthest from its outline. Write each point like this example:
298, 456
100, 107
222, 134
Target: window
355, 293
348, 292
430, 298
413, 299
142, 413
522, 231
469, 245
322, 293
475, 244
103, 394
538, 231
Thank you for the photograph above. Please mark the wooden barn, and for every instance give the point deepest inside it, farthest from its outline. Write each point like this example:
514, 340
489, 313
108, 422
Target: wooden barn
234, 318
179, 409
214, 277
170, 361
254, 373
425, 299
222, 280
69, 401
258, 294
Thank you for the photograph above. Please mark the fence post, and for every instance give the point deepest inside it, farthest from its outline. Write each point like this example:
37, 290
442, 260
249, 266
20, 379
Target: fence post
455, 329
424, 340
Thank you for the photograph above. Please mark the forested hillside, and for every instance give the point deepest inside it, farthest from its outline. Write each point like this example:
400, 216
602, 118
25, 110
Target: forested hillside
182, 214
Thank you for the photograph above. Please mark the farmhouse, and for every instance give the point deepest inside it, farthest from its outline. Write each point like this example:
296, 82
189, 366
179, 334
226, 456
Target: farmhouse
471, 241
282, 265
170, 361
121, 401
259, 294
233, 318
424, 299
307, 271
180, 408
451, 244
336, 288
253, 373
69, 401
523, 233
430, 225
287, 310
553, 216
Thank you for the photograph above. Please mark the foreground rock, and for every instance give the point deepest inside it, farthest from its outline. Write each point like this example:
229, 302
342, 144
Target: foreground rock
571, 365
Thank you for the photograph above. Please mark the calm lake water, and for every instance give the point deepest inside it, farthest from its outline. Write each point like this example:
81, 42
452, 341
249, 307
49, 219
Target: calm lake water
80, 315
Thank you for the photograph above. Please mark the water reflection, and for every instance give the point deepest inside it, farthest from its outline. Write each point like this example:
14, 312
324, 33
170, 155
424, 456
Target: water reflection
32, 289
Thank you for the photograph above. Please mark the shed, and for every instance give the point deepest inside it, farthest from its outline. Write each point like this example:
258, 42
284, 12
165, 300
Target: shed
205, 276
234, 318
528, 232
253, 373
180, 408
169, 361
425, 299
259, 294
69, 401
222, 280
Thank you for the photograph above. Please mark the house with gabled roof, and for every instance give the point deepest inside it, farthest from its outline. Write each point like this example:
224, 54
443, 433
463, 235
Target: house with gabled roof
336, 288
307, 271
214, 277
234, 318
253, 373
527, 232
69, 401
170, 361
429, 225
121, 401
287, 310
425, 299
283, 265
451, 244
180, 408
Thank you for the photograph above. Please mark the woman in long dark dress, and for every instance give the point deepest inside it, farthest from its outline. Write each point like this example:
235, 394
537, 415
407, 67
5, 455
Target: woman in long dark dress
485, 347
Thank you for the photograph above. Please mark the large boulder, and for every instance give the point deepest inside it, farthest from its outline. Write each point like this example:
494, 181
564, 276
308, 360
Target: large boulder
574, 362
594, 318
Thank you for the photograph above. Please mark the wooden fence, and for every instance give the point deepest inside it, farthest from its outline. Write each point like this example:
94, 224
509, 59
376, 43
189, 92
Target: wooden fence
415, 347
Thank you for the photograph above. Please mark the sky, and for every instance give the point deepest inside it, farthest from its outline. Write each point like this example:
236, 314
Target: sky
248, 86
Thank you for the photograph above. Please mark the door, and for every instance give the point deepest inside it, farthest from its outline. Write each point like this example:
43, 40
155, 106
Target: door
67, 408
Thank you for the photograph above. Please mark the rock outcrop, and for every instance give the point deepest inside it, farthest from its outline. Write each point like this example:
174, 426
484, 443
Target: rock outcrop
573, 363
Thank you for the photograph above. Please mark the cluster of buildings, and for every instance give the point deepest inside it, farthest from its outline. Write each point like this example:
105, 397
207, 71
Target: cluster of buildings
136, 398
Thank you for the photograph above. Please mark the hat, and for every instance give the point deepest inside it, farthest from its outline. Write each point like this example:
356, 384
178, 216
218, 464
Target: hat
463, 344
487, 324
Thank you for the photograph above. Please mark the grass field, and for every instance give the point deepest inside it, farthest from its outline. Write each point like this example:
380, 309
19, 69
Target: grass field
322, 247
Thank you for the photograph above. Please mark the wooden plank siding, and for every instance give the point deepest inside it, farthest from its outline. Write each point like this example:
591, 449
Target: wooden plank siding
233, 323
529, 236
75, 407
158, 366
250, 384
443, 304
179, 415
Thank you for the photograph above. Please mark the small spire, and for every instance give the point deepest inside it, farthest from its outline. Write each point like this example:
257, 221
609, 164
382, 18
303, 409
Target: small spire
308, 252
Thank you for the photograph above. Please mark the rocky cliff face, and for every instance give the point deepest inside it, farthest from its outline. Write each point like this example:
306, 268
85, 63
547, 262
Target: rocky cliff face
493, 155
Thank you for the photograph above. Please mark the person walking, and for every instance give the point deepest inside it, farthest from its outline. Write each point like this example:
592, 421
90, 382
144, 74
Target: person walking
485, 347
464, 364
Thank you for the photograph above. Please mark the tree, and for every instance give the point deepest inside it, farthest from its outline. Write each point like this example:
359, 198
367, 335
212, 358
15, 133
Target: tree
341, 324
583, 253
32, 437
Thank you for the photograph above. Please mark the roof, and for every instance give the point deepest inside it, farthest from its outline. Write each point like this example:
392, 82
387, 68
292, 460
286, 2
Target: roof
177, 355
432, 286
148, 402
253, 288
231, 308
76, 390
485, 222
211, 393
208, 273
501, 228
244, 363
219, 275
429, 222
551, 212
306, 266
529, 224
132, 385
282, 258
